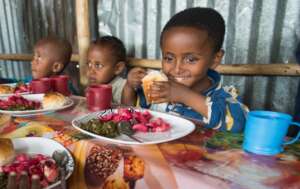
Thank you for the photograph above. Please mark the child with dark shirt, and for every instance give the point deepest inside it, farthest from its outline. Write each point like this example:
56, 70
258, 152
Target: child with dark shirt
191, 44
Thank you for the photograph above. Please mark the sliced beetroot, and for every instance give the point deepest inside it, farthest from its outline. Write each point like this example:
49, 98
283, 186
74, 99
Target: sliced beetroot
140, 127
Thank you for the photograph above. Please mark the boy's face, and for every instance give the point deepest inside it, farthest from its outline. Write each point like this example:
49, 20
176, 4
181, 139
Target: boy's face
41, 64
187, 55
101, 65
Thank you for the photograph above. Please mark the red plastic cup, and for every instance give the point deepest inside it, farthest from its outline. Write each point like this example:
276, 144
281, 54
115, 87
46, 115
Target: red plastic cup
42, 85
60, 84
98, 97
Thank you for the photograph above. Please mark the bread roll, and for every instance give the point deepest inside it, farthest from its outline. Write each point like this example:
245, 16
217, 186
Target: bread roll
148, 80
53, 100
5, 89
7, 152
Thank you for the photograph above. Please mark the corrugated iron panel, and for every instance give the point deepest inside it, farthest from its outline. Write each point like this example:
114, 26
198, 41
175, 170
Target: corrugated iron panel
258, 31
24, 22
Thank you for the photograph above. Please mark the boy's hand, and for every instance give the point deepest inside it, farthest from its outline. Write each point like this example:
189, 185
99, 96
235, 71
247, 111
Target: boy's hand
167, 91
135, 76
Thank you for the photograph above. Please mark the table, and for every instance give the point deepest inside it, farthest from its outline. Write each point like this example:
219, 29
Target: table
204, 159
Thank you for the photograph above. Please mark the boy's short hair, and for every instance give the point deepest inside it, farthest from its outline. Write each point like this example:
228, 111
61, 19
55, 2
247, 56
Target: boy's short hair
116, 46
201, 18
61, 48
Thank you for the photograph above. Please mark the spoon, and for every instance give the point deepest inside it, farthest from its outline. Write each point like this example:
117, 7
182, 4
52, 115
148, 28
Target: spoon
61, 158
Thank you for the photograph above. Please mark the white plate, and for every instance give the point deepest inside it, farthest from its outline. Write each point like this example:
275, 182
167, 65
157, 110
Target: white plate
39, 145
12, 85
36, 97
179, 127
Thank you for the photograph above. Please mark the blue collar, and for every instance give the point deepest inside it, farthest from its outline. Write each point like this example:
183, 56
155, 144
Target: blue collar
215, 78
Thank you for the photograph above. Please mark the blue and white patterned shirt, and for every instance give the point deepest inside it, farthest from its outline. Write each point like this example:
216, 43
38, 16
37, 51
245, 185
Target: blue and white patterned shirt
225, 110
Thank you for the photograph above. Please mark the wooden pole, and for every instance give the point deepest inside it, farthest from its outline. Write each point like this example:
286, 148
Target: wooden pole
83, 33
275, 69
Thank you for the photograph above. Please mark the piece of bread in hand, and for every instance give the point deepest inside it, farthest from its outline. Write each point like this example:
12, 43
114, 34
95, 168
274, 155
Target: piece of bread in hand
148, 81
5, 89
53, 100
7, 152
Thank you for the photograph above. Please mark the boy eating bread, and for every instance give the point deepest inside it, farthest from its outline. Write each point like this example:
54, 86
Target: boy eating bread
191, 44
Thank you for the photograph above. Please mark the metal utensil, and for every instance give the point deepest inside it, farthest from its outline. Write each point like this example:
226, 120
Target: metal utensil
61, 158
124, 127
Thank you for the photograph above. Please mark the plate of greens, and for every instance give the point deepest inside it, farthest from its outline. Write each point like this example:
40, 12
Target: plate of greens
133, 126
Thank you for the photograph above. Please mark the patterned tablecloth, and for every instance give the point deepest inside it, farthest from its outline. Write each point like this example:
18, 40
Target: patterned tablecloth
203, 159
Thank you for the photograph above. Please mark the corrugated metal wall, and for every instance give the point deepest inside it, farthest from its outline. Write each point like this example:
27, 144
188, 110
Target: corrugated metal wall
23, 22
258, 31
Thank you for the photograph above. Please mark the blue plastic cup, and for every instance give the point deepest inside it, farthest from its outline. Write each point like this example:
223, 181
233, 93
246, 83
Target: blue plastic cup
265, 132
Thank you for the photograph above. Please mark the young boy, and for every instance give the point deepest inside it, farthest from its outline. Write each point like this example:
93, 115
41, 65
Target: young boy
106, 61
191, 44
51, 56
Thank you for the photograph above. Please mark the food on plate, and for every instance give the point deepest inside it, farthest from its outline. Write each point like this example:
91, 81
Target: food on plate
43, 166
108, 129
101, 163
53, 100
6, 89
116, 183
4, 121
19, 88
31, 129
125, 121
7, 152
134, 168
19, 103
149, 79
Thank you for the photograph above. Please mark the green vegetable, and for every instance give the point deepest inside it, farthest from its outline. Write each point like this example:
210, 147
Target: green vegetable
107, 129
125, 128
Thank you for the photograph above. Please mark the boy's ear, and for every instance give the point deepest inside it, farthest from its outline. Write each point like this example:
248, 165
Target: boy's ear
57, 67
119, 67
217, 59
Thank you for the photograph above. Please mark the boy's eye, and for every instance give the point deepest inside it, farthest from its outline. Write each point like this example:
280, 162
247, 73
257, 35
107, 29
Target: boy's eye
168, 59
190, 59
98, 66
89, 65
95, 65
37, 57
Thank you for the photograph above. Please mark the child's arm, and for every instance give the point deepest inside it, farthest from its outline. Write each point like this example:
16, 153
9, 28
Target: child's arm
134, 81
222, 110
174, 92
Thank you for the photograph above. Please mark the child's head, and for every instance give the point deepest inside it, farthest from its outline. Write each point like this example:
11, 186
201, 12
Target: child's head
191, 43
106, 59
51, 56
